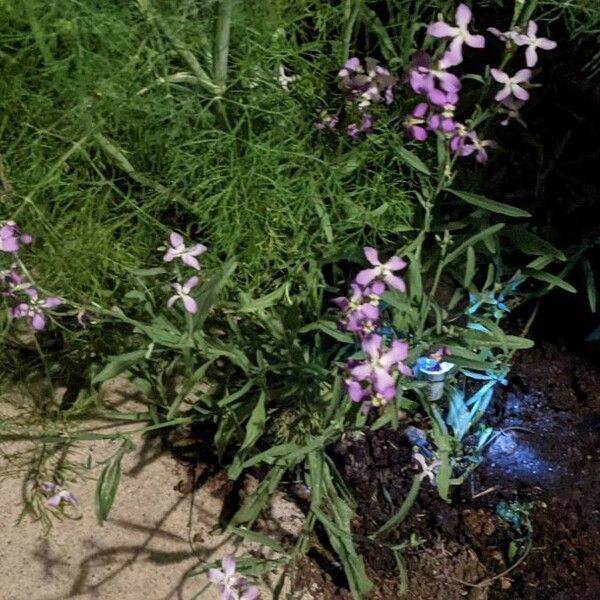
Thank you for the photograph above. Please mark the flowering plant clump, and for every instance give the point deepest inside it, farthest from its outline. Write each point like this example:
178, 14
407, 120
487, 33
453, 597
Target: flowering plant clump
442, 88
372, 380
25, 301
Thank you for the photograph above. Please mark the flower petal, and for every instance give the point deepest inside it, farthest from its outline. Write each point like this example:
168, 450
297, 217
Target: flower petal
355, 391
191, 283
365, 276
531, 56
521, 76
361, 371
502, 94
395, 282
546, 44
397, 353
197, 249
176, 239
371, 345
441, 30
251, 593
475, 41
499, 76
215, 575
395, 263
51, 302
190, 304
228, 564
371, 255
463, 15
520, 93
172, 300
190, 261
453, 55
38, 322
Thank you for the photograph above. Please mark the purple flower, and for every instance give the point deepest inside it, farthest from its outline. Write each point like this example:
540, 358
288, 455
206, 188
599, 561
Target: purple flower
363, 320
460, 35
511, 84
34, 309
460, 136
512, 111
473, 144
384, 271
179, 250
379, 366
533, 42
10, 237
183, 292
424, 75
443, 121
414, 124
62, 496
327, 121
366, 85
232, 586
9, 281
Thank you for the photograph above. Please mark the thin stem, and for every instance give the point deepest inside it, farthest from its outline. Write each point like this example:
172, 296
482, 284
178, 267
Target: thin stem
222, 43
351, 9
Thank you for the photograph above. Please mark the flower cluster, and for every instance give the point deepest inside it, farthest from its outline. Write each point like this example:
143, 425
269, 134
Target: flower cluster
232, 586
431, 79
360, 311
177, 249
363, 86
25, 301
372, 380
441, 89
513, 94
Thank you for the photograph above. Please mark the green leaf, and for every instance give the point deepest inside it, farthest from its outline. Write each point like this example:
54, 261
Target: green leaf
259, 538
553, 280
469, 267
118, 364
404, 509
590, 283
490, 205
108, 482
415, 283
532, 244
469, 242
412, 160
210, 291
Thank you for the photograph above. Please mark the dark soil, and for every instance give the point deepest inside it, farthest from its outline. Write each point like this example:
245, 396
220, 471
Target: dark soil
544, 455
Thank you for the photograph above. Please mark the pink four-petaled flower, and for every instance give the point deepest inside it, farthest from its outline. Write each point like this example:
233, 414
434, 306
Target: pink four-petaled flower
383, 271
459, 34
232, 586
178, 249
530, 39
182, 292
511, 85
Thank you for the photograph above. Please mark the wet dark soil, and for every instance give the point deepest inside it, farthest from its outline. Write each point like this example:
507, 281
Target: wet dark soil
542, 462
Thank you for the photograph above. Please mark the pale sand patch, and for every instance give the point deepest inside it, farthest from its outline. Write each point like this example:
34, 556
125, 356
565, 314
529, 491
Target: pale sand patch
154, 536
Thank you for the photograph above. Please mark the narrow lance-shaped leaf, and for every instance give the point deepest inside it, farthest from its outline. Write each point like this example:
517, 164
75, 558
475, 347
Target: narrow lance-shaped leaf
490, 205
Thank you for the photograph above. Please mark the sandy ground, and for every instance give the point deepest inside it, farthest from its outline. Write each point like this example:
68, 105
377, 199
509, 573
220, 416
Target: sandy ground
155, 535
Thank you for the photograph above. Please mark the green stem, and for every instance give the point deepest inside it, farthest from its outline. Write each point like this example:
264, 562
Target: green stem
351, 9
222, 43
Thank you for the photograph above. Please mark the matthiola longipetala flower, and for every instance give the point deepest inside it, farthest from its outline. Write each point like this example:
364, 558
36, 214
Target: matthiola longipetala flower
59, 496
533, 43
178, 249
382, 271
33, 310
458, 34
366, 85
231, 585
511, 85
11, 237
415, 125
182, 292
